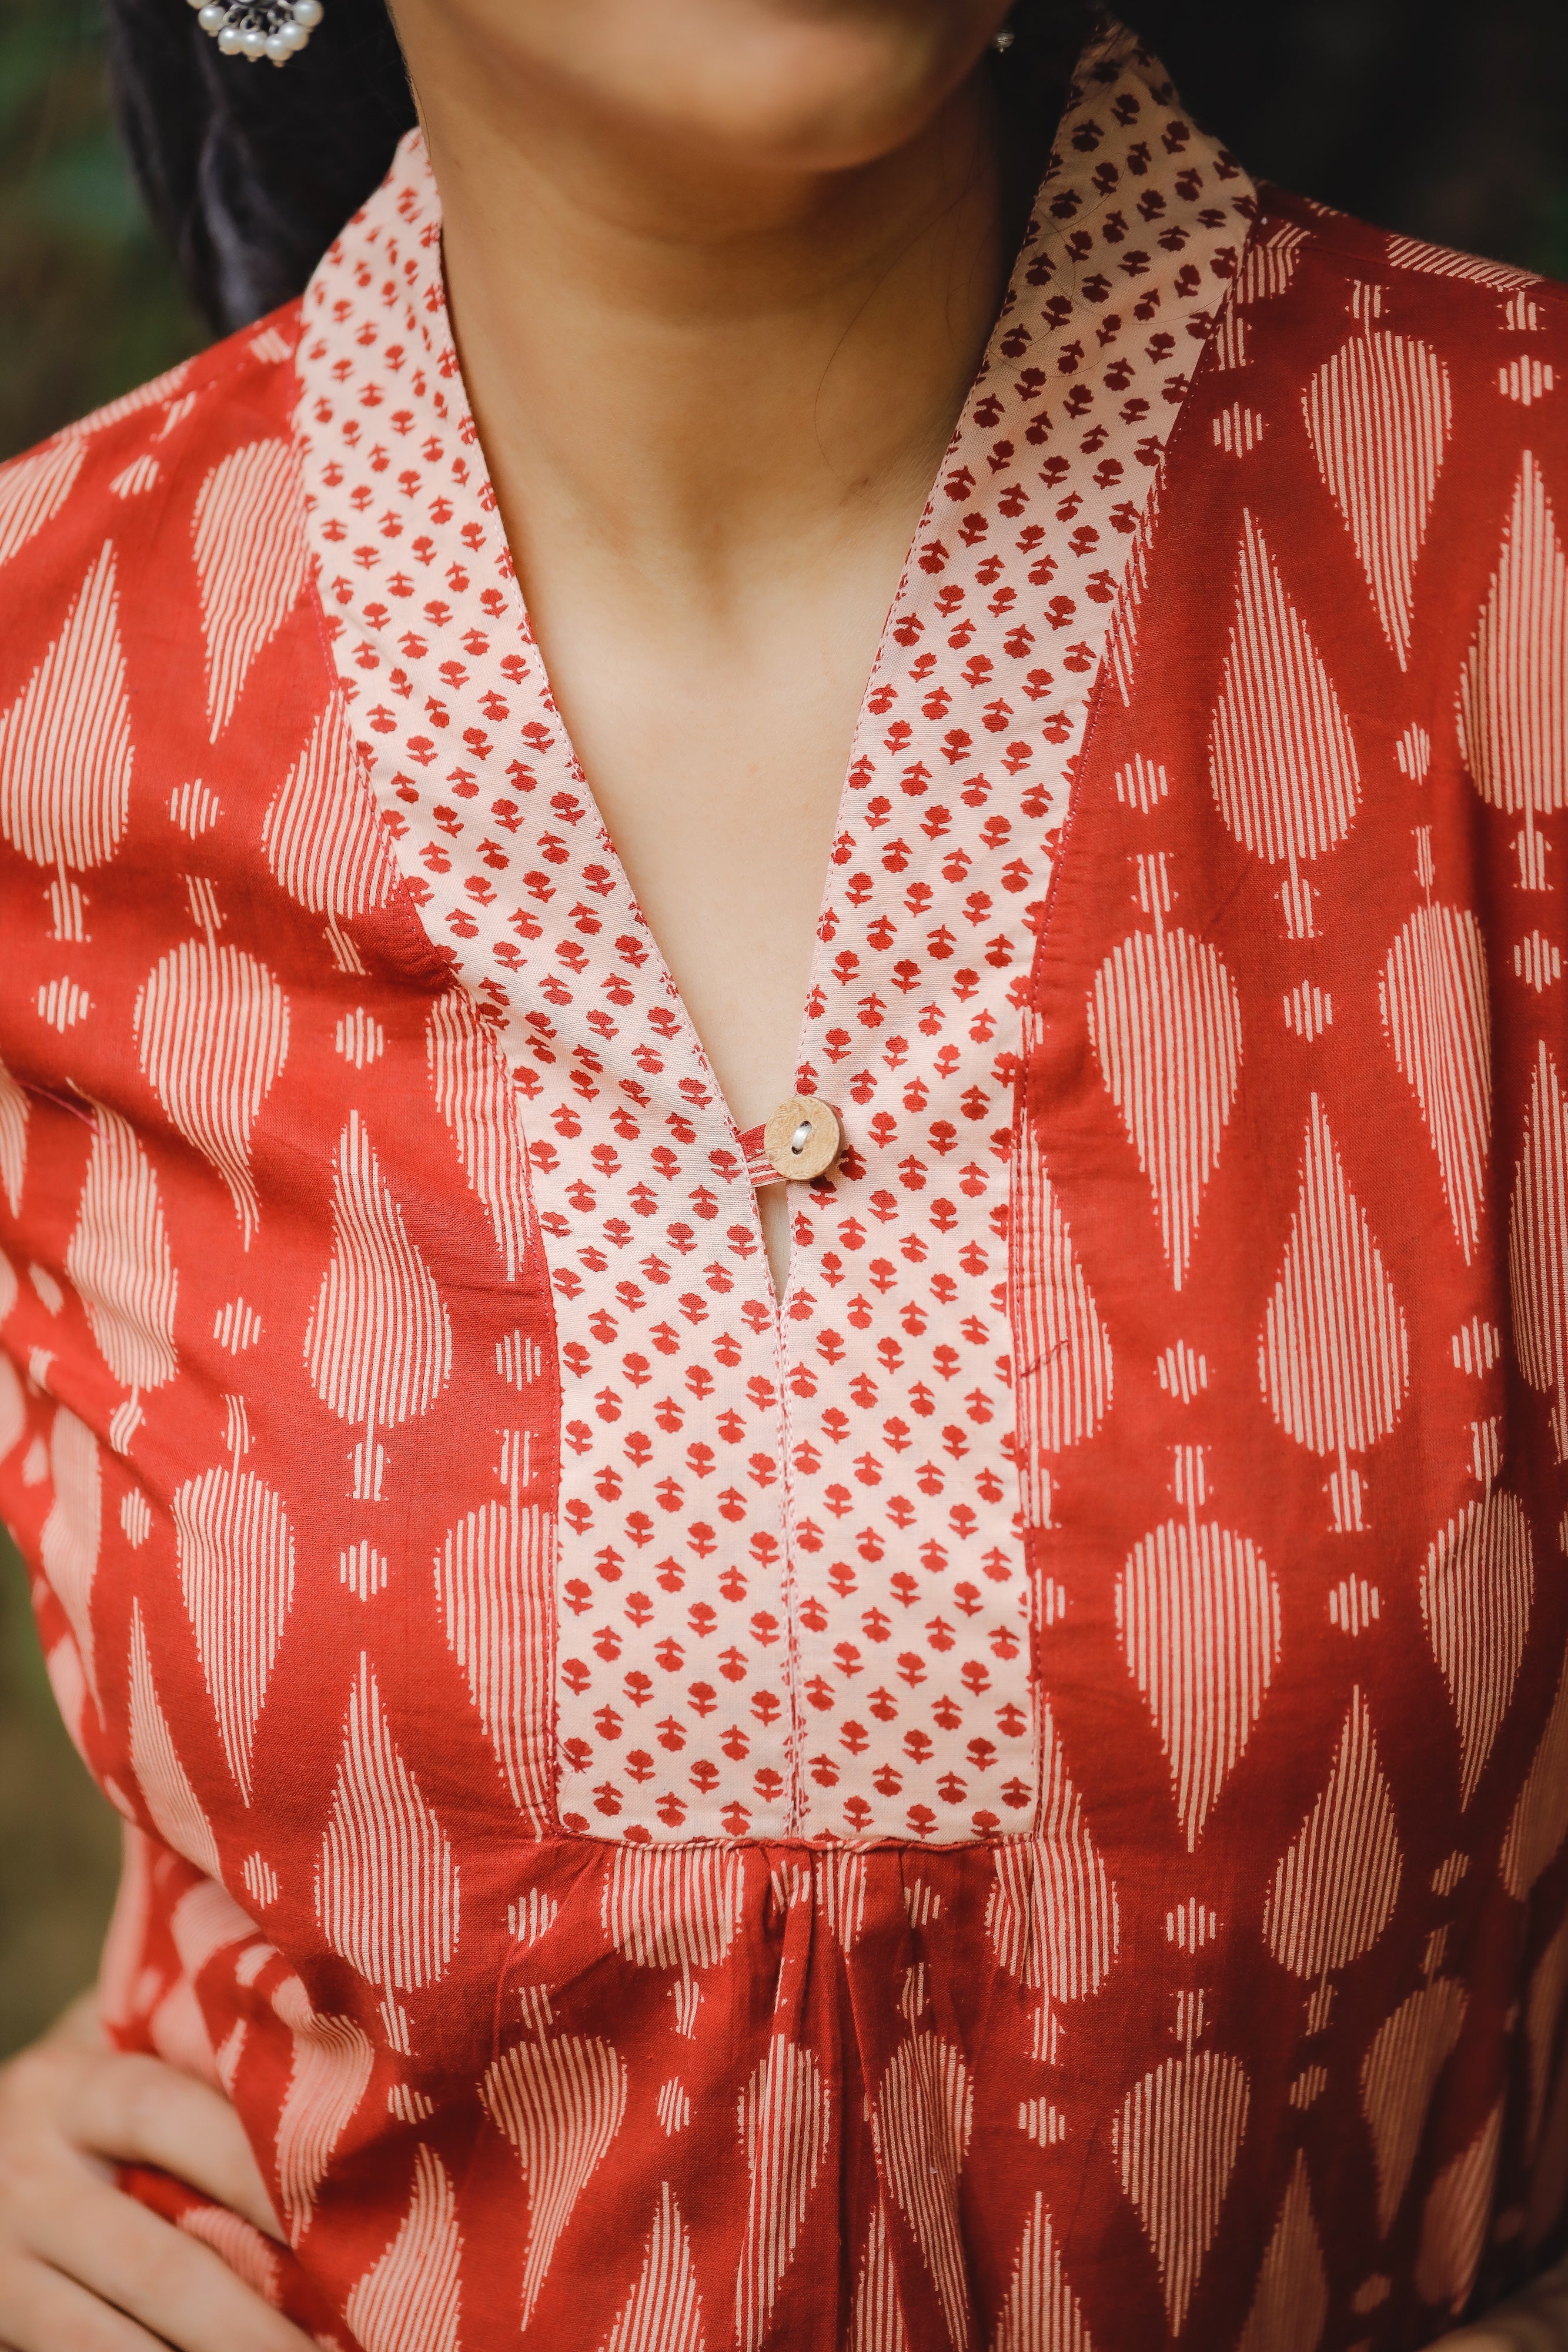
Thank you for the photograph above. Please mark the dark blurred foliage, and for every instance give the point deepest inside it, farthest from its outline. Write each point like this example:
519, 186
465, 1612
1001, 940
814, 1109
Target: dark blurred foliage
89, 301
60, 1841
1445, 118
1442, 118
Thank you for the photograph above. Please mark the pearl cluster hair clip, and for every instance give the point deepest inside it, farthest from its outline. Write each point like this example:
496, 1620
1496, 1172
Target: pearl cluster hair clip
258, 28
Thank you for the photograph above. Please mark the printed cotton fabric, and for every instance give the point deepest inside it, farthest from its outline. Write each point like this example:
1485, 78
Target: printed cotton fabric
1018, 1797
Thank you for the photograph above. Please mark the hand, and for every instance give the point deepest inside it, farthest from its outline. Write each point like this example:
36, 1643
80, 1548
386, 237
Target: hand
85, 2268
1534, 2320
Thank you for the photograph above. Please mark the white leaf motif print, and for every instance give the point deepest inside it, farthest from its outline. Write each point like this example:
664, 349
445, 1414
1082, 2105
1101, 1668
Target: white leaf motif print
1335, 1358
784, 2126
1052, 1917
1398, 2076
1476, 1591
207, 1920
475, 1095
1269, 264
1065, 1370
1166, 1021
241, 2245
14, 1109
119, 1260
664, 2311
35, 489
1457, 2215
1379, 418
329, 2074
211, 1027
13, 1403
1514, 692
1197, 1610
323, 839
1040, 2313
878, 2322
379, 1345
495, 1579
237, 1573
1122, 642
1291, 2300
173, 1804
409, 2300
1438, 1018
562, 2104
65, 752
251, 565
673, 1907
922, 2123
73, 1532
842, 1885
1281, 760
1409, 253
1175, 2142
386, 1883
1337, 1883
1538, 1245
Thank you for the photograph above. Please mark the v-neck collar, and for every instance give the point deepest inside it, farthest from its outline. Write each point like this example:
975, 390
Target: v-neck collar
1207, 235
957, 781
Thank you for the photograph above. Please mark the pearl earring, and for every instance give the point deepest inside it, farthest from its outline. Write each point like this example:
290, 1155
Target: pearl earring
254, 30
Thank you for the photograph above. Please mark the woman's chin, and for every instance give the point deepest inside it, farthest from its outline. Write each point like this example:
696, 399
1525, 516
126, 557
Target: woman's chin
817, 95
763, 84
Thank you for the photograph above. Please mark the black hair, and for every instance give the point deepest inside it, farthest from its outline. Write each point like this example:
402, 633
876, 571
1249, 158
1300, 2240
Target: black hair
250, 171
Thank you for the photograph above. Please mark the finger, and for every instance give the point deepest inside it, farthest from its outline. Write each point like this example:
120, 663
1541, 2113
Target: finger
180, 2290
40, 2311
79, 2026
143, 2112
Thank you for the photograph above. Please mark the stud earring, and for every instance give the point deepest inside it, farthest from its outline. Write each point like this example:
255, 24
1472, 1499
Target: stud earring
254, 30
1003, 41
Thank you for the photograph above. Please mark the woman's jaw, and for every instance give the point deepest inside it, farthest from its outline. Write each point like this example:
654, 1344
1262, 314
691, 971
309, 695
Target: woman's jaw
743, 88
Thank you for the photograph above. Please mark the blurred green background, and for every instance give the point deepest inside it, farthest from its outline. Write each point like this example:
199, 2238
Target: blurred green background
88, 306
88, 303
1442, 118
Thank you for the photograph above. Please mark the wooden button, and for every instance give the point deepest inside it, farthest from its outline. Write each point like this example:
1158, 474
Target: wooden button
802, 1139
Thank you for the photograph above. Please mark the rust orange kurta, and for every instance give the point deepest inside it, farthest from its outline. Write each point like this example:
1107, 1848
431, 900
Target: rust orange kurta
1016, 1797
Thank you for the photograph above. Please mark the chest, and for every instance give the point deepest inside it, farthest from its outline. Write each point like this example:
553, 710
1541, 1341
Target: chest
715, 734
1117, 1374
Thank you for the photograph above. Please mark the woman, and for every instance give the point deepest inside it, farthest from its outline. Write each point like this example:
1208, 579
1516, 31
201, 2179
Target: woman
886, 1677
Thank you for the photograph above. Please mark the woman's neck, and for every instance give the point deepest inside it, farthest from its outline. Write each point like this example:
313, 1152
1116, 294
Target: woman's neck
713, 402
688, 366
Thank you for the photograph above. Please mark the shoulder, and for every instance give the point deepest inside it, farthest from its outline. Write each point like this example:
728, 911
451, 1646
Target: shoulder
1463, 304
1402, 392
160, 660
130, 478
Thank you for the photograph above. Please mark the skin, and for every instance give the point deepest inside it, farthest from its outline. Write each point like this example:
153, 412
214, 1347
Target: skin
720, 272
84, 2268
720, 277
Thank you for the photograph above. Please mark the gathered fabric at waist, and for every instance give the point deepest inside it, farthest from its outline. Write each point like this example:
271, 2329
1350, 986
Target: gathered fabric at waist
778, 2095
